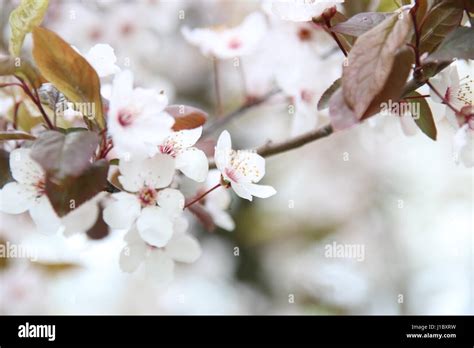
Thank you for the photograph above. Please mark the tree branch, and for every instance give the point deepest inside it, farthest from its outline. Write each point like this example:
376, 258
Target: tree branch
271, 149
222, 121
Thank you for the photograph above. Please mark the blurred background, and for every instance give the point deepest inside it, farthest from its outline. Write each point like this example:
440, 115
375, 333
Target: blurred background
402, 200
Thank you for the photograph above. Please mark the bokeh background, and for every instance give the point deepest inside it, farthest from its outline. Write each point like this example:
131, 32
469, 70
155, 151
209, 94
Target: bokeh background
402, 198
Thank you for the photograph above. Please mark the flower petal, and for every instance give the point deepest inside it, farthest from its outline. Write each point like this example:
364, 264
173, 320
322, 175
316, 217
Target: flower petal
222, 152
131, 256
193, 163
261, 191
24, 169
155, 172
121, 213
171, 201
103, 59
183, 248
16, 198
160, 267
81, 219
45, 218
155, 226
241, 190
186, 138
220, 217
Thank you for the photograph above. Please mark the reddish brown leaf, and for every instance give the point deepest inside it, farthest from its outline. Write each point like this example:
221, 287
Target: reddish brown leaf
186, 117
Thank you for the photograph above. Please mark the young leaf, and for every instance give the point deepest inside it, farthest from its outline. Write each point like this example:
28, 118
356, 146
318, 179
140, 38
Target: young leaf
340, 114
27, 15
70, 192
395, 84
443, 18
360, 23
21, 67
458, 44
370, 61
425, 119
186, 117
63, 155
100, 229
70, 73
16, 136
323, 102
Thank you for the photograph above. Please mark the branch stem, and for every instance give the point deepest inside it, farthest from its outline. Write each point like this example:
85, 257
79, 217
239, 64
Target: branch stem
197, 199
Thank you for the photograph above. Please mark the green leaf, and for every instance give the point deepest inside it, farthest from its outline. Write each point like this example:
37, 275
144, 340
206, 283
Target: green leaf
5, 175
13, 135
458, 44
370, 61
443, 18
425, 119
72, 191
360, 23
63, 155
323, 102
68, 71
27, 15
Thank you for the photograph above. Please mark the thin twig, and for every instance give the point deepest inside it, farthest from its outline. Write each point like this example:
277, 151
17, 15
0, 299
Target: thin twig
202, 195
445, 101
271, 149
221, 122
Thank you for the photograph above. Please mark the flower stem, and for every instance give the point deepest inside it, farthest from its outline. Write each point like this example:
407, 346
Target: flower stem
417, 96
456, 111
197, 199
327, 21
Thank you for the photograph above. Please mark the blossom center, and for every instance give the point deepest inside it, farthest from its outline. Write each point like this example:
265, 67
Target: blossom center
147, 196
168, 149
235, 43
304, 34
231, 173
125, 118
306, 96
40, 187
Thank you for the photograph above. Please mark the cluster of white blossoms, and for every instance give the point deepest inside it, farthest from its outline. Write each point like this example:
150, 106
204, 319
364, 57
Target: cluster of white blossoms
152, 158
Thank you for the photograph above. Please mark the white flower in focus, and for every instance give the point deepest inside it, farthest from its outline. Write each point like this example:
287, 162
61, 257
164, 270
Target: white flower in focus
301, 10
136, 118
154, 211
159, 262
103, 60
191, 161
28, 193
225, 43
460, 96
217, 202
241, 169
457, 93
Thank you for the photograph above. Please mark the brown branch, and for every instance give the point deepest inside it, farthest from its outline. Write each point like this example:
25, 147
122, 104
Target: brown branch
271, 149
222, 121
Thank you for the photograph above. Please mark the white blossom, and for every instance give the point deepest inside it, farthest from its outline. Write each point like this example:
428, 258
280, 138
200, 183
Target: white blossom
225, 43
191, 161
241, 169
136, 118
